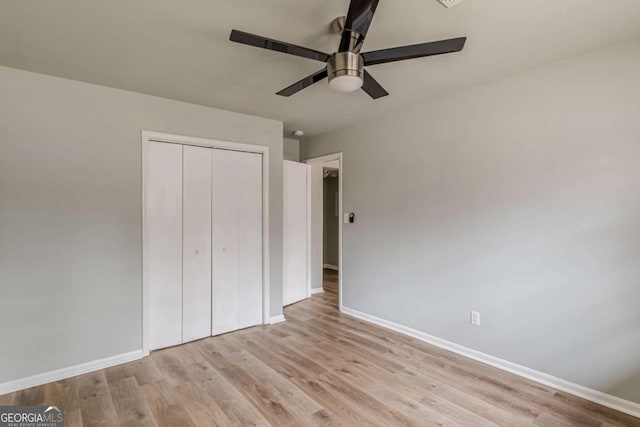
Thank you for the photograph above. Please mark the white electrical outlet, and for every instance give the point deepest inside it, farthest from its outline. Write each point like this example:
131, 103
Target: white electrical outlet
475, 318
449, 3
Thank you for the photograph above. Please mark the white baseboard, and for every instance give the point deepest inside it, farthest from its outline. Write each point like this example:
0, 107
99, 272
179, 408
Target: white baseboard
71, 371
331, 267
277, 319
592, 395
317, 291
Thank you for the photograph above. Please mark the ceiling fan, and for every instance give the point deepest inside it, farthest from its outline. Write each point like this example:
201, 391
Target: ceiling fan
345, 68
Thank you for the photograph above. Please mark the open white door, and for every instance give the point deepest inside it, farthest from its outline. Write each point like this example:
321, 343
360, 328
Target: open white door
295, 245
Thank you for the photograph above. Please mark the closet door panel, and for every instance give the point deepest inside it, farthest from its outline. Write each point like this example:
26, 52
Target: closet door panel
196, 274
164, 204
225, 242
249, 239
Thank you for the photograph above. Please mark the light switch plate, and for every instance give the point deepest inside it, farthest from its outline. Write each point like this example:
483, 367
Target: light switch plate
475, 318
345, 218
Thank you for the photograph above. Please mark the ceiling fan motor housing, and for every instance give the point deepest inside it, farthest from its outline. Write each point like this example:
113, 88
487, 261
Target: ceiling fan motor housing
345, 64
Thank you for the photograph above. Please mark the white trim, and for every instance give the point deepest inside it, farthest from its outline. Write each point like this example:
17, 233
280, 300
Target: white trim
147, 137
71, 371
340, 226
331, 267
309, 188
317, 291
277, 319
592, 395
324, 159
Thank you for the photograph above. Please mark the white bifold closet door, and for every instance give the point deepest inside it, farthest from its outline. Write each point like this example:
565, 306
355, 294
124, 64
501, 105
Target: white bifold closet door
295, 232
165, 244
249, 239
196, 243
204, 219
180, 243
237, 241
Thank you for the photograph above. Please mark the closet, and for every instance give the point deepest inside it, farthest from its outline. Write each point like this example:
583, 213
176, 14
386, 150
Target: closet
204, 219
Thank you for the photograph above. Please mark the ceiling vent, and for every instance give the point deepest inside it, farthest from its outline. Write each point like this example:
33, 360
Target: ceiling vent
449, 3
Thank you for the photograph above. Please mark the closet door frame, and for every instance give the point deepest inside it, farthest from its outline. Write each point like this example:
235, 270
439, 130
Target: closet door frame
147, 138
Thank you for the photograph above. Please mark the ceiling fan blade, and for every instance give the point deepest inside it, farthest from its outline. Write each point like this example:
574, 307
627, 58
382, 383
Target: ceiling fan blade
413, 51
360, 15
306, 82
372, 87
358, 20
266, 43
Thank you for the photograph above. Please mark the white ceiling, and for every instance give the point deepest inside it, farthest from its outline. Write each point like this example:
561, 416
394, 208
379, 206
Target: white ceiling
179, 49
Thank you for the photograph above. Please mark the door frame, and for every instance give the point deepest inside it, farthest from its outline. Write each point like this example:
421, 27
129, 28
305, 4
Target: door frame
319, 161
147, 138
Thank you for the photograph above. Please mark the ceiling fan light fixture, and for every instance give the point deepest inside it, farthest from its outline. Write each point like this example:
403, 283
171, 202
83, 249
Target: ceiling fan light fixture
346, 83
346, 71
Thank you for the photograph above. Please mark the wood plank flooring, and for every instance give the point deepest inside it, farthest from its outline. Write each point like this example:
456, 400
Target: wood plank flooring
330, 285
320, 368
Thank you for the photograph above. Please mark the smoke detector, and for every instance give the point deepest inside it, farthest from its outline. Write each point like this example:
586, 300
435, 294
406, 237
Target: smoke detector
449, 3
297, 133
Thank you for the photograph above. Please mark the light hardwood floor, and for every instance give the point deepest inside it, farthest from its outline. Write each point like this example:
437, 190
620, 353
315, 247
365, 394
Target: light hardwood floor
318, 368
330, 285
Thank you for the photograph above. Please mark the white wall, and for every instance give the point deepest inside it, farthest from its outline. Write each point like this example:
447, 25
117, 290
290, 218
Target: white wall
521, 200
71, 214
291, 149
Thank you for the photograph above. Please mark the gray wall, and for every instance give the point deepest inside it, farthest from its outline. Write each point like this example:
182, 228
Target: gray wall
71, 215
291, 149
331, 224
519, 199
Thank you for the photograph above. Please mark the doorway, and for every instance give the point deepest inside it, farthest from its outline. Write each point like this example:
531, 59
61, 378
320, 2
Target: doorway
326, 268
330, 228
